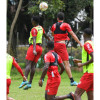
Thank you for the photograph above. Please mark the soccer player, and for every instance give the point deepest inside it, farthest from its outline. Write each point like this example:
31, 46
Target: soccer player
86, 81
9, 62
60, 32
52, 60
34, 51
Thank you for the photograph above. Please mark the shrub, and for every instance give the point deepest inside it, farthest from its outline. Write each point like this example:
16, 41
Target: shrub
76, 52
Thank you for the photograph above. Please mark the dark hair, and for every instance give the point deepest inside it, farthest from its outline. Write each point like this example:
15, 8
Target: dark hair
50, 45
60, 15
88, 31
36, 19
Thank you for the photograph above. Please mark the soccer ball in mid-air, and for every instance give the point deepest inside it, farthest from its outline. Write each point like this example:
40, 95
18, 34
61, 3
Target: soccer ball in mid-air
43, 6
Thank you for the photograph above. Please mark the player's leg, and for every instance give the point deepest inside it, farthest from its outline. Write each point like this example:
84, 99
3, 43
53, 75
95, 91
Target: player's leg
29, 59
51, 91
78, 93
68, 71
33, 64
50, 97
53, 97
32, 72
90, 95
61, 50
27, 70
28, 67
67, 68
62, 97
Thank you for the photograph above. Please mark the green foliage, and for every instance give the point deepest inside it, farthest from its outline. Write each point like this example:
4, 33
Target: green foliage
21, 54
54, 6
73, 7
76, 52
40, 63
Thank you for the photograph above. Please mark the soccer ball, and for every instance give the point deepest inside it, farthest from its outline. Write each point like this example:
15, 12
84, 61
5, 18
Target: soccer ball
43, 6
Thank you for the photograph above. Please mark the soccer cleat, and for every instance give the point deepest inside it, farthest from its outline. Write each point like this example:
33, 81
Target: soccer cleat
71, 96
23, 84
27, 86
74, 83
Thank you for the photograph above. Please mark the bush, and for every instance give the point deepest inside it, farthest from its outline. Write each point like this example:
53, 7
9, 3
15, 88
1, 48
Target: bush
76, 52
22, 54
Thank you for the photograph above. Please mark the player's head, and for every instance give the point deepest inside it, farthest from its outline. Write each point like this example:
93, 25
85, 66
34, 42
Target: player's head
87, 33
50, 45
35, 20
60, 16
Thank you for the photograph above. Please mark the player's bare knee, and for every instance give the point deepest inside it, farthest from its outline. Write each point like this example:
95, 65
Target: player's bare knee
77, 95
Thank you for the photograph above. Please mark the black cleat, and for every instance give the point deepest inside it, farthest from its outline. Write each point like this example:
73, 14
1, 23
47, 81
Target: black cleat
71, 96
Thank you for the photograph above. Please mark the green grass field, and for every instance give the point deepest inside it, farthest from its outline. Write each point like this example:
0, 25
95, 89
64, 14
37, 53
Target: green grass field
36, 92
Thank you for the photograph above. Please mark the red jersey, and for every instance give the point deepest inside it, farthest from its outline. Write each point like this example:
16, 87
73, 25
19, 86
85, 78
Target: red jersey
52, 70
60, 30
34, 31
88, 48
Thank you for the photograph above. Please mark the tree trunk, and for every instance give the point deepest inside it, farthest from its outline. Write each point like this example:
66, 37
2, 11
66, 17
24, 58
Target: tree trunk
12, 26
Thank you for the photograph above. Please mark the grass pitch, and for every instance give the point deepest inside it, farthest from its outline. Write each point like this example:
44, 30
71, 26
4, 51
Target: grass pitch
36, 92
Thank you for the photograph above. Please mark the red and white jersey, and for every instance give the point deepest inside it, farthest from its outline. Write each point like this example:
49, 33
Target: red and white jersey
88, 47
52, 70
60, 30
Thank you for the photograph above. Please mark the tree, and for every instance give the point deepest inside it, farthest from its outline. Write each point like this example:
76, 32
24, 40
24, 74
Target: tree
71, 8
31, 7
12, 26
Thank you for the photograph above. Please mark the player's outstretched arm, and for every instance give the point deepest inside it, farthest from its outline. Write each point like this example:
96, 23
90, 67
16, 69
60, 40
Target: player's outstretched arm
62, 68
46, 37
52, 33
15, 64
43, 73
77, 61
75, 37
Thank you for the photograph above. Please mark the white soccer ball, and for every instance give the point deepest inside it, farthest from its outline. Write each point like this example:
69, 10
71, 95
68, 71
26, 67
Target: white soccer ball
43, 6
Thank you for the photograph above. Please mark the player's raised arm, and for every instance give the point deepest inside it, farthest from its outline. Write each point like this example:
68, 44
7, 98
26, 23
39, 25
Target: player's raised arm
53, 28
46, 37
75, 37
